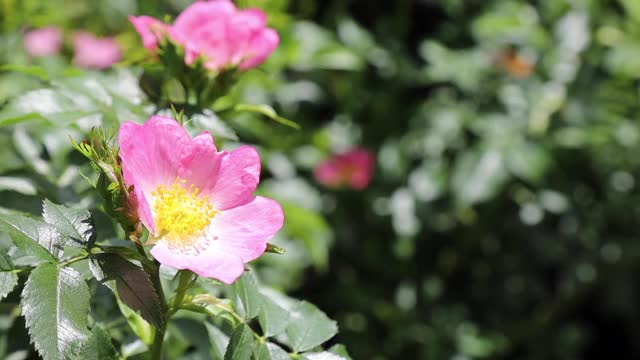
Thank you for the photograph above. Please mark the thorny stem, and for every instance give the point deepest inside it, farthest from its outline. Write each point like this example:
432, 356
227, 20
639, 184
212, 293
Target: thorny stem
158, 340
153, 269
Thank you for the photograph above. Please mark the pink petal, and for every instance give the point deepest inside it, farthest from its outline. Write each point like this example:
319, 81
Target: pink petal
211, 263
239, 236
237, 179
200, 163
244, 230
150, 156
150, 30
260, 47
241, 28
354, 168
95, 53
197, 15
43, 42
328, 173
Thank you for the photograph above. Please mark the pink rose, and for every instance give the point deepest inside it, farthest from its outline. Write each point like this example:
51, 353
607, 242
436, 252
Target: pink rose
94, 53
150, 29
217, 31
196, 201
43, 42
353, 168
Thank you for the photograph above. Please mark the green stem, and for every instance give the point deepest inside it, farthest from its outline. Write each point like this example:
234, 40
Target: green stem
73, 260
158, 340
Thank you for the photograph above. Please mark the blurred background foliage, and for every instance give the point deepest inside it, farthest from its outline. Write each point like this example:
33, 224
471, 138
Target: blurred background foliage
502, 219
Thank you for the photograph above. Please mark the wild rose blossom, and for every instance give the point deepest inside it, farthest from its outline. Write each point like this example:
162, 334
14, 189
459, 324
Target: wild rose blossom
196, 201
353, 168
43, 42
94, 53
217, 31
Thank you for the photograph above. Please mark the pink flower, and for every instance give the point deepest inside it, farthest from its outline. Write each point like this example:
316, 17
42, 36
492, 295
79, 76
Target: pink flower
353, 168
43, 42
94, 53
217, 31
196, 201
150, 29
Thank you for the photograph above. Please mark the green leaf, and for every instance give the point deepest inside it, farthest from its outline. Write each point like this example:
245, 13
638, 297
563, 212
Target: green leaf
36, 71
325, 355
18, 184
309, 327
245, 289
8, 279
312, 229
270, 351
218, 128
267, 111
76, 224
273, 318
241, 344
33, 237
55, 304
478, 175
133, 286
341, 350
5, 261
99, 346
219, 341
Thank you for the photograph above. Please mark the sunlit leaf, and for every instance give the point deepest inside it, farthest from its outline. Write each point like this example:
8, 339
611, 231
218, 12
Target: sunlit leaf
55, 304
309, 327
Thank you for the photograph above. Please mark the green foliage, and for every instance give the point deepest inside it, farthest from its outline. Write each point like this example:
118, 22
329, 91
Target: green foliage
240, 344
33, 237
98, 346
309, 327
75, 224
55, 303
133, 286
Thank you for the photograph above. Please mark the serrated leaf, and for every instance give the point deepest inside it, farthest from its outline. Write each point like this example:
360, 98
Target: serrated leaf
55, 304
99, 346
245, 289
143, 330
8, 281
309, 327
133, 285
5, 261
270, 351
33, 237
219, 341
76, 224
272, 317
241, 344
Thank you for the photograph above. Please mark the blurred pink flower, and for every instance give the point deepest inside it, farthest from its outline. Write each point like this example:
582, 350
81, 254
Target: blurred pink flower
94, 53
43, 42
217, 31
353, 168
197, 201
150, 29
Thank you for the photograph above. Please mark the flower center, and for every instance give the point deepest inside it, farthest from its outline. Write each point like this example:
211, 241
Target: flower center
180, 214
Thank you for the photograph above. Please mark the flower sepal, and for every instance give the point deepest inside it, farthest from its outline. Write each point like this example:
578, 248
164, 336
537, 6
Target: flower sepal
171, 81
119, 199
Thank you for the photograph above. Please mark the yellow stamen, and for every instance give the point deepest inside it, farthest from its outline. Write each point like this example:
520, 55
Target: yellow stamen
180, 215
